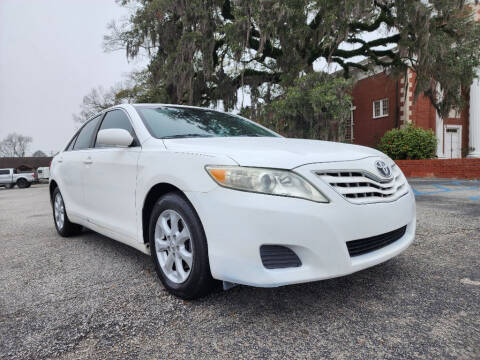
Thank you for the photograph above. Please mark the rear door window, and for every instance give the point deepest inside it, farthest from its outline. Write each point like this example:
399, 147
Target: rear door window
85, 136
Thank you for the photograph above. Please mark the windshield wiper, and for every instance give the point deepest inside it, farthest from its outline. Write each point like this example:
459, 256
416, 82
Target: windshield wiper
185, 136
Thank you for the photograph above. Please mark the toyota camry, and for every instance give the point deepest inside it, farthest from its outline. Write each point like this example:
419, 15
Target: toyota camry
215, 197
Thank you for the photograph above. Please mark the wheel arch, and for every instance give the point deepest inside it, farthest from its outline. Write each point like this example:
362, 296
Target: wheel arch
52, 186
151, 198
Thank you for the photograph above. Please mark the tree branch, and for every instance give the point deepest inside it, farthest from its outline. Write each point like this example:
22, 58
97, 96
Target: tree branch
255, 77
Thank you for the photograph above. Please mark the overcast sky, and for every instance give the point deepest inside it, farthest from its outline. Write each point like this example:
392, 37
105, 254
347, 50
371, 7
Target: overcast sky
51, 55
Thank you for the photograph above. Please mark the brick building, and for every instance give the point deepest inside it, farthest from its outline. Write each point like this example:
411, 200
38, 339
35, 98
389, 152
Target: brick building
25, 164
382, 102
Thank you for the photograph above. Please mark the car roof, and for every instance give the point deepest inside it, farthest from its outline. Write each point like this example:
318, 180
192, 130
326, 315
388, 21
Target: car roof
173, 105
147, 105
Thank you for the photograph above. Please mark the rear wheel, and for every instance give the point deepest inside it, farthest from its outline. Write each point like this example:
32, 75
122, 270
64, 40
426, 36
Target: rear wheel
63, 225
22, 183
179, 248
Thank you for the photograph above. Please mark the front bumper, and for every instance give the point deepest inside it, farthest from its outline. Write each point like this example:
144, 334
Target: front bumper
237, 223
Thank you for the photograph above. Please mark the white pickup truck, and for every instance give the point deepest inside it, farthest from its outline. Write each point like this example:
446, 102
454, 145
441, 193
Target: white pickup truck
9, 178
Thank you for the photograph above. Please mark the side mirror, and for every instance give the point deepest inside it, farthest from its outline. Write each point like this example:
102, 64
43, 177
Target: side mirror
114, 137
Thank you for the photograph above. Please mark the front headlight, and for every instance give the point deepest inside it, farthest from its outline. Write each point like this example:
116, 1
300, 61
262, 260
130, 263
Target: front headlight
265, 181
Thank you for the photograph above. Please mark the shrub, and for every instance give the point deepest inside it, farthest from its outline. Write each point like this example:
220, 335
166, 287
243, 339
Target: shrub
411, 143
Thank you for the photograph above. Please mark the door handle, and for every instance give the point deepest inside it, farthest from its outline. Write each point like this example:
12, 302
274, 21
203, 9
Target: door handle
60, 160
88, 161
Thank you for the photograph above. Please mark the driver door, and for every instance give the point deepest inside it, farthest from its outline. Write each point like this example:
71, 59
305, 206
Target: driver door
110, 176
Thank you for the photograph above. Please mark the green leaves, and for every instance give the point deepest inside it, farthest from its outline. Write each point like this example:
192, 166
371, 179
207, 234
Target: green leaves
410, 143
316, 106
440, 42
205, 52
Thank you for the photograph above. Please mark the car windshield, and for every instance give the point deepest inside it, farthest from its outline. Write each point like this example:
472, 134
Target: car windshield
167, 122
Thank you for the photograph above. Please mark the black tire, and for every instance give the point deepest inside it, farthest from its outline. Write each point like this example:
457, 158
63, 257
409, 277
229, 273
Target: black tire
68, 228
199, 282
9, 186
22, 183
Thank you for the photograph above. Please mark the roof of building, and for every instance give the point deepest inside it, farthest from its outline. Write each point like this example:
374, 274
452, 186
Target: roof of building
31, 162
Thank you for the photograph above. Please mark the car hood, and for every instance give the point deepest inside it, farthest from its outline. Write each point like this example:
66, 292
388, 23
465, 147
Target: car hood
281, 153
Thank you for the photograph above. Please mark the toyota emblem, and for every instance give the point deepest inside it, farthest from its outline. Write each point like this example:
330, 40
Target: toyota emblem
383, 168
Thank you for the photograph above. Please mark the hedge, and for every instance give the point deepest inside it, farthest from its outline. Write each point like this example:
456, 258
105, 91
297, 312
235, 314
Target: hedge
409, 143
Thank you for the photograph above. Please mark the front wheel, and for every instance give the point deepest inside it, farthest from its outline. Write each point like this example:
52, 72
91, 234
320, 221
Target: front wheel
179, 248
62, 223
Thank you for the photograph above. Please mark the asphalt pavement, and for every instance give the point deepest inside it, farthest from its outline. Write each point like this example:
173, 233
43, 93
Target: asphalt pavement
89, 297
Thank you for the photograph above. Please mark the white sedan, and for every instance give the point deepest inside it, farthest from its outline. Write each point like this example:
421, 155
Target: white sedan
213, 196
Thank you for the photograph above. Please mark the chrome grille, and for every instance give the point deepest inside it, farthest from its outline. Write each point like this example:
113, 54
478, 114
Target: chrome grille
362, 187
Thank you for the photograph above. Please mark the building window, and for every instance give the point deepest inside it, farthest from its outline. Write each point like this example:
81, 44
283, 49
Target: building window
380, 108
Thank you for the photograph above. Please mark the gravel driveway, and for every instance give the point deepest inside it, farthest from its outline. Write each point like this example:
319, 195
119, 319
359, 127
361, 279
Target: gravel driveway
90, 297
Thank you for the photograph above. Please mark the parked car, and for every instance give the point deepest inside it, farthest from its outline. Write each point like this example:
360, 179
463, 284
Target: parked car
43, 173
214, 196
10, 177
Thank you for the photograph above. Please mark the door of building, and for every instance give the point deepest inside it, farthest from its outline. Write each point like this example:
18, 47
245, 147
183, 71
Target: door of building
453, 141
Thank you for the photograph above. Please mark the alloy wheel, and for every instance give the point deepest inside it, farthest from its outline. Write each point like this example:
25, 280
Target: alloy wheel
173, 246
59, 211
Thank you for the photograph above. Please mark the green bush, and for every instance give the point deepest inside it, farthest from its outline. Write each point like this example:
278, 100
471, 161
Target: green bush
410, 143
